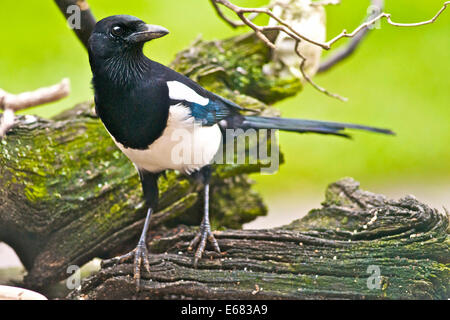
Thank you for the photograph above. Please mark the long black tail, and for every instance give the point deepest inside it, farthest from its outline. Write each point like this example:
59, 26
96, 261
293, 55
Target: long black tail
303, 126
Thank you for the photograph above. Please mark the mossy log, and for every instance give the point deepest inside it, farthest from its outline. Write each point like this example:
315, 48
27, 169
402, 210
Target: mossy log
67, 194
359, 245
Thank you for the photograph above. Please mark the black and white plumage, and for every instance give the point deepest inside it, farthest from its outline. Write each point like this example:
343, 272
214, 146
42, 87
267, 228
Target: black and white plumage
142, 103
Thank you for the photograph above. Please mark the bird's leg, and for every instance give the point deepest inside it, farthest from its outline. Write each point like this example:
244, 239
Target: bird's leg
205, 233
139, 254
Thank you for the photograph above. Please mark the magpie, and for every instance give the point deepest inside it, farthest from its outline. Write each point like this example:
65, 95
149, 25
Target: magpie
142, 103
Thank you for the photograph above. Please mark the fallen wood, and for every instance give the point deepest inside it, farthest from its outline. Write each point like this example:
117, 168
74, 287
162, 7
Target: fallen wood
359, 245
11, 103
68, 195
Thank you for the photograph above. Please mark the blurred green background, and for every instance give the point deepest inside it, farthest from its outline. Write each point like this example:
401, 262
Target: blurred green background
398, 78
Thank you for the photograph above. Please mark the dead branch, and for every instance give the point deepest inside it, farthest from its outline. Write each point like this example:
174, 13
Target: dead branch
12, 103
378, 6
328, 254
232, 23
285, 27
387, 16
309, 79
87, 19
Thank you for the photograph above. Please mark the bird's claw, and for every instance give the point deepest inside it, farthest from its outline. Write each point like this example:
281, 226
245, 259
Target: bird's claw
140, 255
205, 234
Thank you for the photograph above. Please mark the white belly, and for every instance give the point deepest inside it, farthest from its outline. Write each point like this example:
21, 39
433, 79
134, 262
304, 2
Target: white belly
184, 145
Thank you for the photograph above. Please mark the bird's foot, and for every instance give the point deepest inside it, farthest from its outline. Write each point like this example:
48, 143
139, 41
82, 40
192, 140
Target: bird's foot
139, 255
205, 234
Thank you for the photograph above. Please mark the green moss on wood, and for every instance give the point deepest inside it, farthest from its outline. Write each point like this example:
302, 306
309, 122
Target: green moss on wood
68, 194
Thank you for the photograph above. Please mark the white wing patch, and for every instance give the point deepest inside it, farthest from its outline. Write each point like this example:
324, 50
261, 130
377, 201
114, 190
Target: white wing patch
179, 91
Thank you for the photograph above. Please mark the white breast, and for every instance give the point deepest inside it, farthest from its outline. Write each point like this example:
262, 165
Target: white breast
184, 145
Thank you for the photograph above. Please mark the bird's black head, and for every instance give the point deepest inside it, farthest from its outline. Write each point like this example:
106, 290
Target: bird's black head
115, 50
120, 34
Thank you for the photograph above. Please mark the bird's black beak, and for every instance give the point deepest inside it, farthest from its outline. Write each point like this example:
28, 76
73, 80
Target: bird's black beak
148, 32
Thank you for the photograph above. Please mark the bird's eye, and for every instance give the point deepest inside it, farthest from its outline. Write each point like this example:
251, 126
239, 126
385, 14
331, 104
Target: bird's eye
117, 31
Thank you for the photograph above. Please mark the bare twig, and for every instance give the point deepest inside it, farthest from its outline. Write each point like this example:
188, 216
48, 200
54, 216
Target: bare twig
387, 16
12, 103
37, 97
232, 23
378, 6
308, 78
285, 27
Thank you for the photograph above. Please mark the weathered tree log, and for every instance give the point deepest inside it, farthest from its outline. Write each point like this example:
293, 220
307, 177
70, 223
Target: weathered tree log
67, 194
359, 245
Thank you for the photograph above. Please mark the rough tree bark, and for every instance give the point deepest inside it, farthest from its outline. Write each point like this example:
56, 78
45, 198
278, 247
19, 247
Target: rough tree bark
68, 195
359, 245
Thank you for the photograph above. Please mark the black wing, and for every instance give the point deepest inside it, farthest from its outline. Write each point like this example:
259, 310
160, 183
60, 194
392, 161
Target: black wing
206, 106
